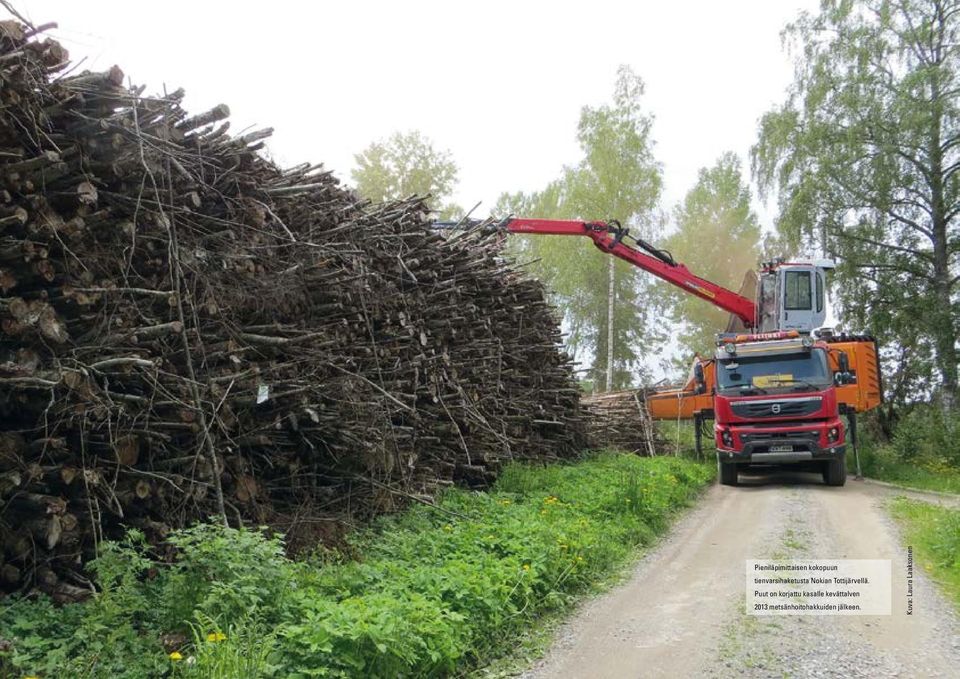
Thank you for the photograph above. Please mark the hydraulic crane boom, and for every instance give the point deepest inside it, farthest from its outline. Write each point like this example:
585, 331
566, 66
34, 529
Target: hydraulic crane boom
790, 303
610, 238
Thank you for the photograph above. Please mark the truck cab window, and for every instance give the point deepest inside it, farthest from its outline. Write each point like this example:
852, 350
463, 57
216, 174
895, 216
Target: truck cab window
797, 295
768, 302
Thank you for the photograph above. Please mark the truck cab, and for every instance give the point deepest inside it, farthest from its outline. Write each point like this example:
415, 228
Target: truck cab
775, 403
792, 296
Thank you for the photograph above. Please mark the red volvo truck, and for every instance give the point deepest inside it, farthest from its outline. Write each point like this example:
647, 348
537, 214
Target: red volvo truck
775, 402
778, 385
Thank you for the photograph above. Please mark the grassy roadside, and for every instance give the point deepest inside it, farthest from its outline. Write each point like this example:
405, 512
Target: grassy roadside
934, 533
922, 452
923, 474
429, 592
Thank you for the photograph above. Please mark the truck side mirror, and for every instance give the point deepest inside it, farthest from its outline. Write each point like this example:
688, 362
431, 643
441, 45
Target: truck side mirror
844, 361
699, 378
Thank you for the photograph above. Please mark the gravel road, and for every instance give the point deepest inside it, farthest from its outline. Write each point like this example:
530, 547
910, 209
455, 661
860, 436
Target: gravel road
682, 612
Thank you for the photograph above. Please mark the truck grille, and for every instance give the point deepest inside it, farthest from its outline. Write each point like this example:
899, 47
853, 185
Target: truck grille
792, 407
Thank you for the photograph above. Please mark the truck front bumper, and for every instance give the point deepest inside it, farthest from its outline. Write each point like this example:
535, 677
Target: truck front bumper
781, 451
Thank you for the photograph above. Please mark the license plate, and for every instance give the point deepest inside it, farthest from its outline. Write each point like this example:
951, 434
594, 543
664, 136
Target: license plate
781, 449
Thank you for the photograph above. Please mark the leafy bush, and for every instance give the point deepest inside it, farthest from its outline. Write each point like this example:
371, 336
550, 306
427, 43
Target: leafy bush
924, 451
926, 433
435, 588
220, 574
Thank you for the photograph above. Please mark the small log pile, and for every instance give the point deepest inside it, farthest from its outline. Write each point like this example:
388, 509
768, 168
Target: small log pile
619, 420
190, 331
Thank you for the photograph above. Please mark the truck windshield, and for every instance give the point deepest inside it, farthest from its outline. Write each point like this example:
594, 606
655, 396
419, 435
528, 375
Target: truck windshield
784, 372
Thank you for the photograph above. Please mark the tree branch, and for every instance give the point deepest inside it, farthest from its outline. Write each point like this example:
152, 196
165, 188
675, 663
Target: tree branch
899, 248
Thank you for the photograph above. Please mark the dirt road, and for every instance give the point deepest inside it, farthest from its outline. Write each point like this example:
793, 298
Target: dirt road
682, 612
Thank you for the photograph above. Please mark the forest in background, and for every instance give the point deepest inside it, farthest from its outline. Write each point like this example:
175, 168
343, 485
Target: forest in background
861, 158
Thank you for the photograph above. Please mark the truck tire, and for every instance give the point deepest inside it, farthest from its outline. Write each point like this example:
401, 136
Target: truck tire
728, 473
835, 471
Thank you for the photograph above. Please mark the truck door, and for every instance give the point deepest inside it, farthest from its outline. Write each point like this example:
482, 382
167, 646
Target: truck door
799, 294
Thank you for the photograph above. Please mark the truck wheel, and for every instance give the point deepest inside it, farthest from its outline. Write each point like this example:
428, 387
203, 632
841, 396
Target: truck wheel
835, 471
728, 473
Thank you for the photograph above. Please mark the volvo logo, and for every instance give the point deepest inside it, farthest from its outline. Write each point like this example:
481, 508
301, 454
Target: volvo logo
775, 408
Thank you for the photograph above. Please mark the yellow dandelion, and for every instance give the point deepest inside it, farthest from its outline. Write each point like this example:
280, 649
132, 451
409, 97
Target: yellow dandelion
448, 528
175, 657
216, 636
526, 566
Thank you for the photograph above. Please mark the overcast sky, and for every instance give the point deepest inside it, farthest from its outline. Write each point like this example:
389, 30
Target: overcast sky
499, 84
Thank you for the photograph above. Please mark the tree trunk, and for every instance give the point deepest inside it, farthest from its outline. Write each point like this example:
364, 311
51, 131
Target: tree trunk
611, 299
941, 313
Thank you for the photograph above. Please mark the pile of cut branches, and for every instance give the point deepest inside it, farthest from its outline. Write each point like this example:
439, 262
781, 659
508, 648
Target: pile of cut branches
620, 420
189, 330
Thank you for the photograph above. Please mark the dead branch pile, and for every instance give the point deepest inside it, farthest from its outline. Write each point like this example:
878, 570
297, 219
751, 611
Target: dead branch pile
189, 330
620, 420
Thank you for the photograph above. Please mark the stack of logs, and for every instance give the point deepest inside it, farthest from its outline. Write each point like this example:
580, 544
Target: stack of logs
619, 420
190, 330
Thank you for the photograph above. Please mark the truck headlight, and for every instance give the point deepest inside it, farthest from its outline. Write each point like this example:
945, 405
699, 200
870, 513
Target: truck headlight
833, 434
726, 437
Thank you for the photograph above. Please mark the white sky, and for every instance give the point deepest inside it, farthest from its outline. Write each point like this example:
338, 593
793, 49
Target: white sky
499, 84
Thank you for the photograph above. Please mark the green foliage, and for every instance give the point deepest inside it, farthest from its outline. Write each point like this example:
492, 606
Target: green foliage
435, 589
925, 435
882, 463
219, 575
243, 650
680, 438
923, 452
934, 533
864, 155
405, 165
618, 178
718, 237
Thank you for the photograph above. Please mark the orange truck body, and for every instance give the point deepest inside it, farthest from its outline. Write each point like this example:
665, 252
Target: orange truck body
865, 394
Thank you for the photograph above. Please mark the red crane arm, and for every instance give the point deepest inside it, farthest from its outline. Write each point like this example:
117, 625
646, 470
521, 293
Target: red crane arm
609, 239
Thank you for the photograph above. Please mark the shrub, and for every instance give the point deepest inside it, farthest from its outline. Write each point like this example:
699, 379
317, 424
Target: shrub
435, 589
927, 433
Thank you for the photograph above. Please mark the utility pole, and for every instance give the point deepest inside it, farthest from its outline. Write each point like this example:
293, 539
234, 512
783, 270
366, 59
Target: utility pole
611, 295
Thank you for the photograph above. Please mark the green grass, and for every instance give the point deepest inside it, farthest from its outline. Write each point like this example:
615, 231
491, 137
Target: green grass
923, 451
934, 533
922, 474
428, 592
680, 439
